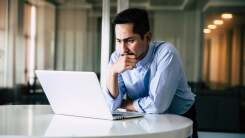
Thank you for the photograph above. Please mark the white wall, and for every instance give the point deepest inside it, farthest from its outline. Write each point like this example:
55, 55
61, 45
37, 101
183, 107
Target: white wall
9, 46
77, 40
14, 47
3, 37
45, 36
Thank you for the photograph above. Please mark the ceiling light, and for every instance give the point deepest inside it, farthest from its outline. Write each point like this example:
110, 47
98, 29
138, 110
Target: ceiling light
206, 31
226, 15
218, 22
211, 26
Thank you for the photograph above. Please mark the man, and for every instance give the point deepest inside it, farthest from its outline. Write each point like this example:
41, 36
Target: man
149, 73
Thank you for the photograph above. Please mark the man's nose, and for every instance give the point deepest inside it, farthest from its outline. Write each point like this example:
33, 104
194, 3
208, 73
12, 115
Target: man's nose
124, 48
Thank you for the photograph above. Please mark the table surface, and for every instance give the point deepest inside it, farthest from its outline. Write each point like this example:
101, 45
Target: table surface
40, 121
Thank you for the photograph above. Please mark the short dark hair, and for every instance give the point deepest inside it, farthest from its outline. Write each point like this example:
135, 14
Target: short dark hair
138, 17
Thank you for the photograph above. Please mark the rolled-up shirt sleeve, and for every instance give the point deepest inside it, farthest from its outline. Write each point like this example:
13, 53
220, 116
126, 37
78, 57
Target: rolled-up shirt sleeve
163, 85
115, 103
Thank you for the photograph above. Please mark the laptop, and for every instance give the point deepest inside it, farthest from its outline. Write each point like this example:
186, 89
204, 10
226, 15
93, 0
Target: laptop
78, 94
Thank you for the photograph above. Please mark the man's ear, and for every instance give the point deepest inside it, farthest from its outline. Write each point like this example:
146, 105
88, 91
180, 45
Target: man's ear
148, 36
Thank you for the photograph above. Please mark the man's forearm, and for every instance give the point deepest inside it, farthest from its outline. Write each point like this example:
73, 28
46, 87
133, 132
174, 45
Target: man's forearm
112, 83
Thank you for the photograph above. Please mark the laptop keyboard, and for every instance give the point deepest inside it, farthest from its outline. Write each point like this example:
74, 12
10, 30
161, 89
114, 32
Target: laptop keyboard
124, 113
117, 114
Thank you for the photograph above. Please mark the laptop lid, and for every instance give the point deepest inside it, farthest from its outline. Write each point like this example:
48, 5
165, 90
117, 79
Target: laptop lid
74, 93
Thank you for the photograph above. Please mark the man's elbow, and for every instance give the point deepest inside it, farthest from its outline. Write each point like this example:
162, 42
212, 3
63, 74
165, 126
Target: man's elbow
157, 110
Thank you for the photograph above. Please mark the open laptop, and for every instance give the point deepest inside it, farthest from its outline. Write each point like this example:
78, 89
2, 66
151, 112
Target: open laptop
78, 94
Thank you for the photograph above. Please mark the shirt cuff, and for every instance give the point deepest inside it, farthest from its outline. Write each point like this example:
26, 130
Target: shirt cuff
113, 103
137, 106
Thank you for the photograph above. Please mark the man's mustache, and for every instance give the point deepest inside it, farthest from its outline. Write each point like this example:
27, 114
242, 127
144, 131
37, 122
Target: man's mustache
123, 54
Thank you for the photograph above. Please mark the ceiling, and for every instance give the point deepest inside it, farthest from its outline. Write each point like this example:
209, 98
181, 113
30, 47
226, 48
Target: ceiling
204, 5
212, 14
148, 4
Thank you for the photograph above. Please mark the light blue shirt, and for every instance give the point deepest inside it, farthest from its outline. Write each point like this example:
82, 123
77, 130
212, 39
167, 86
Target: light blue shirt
158, 83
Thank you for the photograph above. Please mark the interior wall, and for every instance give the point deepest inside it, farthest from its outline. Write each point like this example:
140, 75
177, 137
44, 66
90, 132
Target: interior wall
77, 40
182, 28
44, 40
214, 59
235, 65
206, 59
243, 61
69, 35
218, 63
223, 58
224, 55
11, 40
14, 47
3, 37
45, 36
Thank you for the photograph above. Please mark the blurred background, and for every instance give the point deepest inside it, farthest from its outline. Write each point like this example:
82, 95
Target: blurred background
73, 34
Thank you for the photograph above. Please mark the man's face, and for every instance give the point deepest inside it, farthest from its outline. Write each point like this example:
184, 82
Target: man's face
129, 42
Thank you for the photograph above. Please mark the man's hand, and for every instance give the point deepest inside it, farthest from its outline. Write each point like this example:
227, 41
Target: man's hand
128, 105
124, 62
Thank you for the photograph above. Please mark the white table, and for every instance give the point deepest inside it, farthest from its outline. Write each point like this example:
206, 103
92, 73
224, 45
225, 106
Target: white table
39, 121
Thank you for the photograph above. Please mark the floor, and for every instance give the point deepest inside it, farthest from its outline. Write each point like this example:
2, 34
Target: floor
202, 134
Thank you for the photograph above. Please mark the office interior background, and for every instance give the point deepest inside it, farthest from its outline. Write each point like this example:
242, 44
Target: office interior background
72, 34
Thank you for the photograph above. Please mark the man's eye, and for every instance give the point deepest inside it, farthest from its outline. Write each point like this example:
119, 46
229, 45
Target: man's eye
130, 40
118, 41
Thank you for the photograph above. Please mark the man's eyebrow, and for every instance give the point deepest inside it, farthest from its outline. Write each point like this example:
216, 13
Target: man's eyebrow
131, 37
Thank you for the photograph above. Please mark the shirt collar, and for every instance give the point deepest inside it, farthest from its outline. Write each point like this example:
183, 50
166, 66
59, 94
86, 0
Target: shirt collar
147, 58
